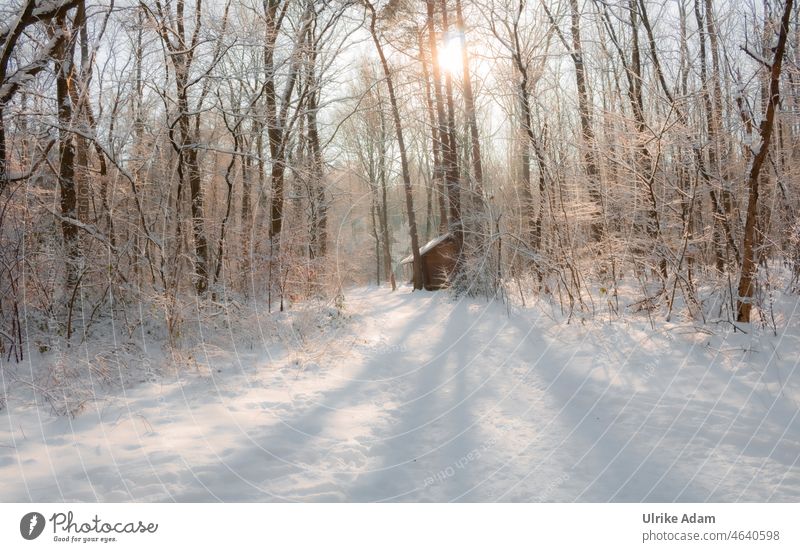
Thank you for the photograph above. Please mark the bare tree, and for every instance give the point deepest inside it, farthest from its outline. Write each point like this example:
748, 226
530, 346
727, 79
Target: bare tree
747, 277
419, 276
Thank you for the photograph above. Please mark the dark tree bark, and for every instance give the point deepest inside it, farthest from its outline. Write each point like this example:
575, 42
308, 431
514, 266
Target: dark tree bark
78, 91
748, 276
444, 136
10, 83
66, 153
450, 157
469, 107
276, 118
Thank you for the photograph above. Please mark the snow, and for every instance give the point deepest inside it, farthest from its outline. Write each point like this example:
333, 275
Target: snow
417, 397
22, 75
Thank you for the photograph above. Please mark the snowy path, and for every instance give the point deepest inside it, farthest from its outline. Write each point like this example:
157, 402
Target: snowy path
423, 399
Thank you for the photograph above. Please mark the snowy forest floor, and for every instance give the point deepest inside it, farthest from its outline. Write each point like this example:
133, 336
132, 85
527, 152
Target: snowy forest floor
419, 397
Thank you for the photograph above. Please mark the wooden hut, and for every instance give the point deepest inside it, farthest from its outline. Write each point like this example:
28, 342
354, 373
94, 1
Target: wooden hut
438, 261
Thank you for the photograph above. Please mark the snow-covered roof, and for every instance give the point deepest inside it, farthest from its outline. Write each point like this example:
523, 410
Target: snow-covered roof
427, 247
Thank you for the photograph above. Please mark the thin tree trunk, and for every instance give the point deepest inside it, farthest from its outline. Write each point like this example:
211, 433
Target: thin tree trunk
528, 142
436, 144
720, 143
385, 241
444, 137
412, 222
646, 168
587, 133
383, 205
320, 231
720, 217
469, 107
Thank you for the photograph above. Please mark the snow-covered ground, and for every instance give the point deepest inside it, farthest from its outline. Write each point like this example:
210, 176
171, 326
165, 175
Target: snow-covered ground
416, 397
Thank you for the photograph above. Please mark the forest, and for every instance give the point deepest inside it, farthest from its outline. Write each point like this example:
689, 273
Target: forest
176, 152
178, 173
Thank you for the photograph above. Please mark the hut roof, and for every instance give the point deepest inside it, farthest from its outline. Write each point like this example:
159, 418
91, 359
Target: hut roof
427, 247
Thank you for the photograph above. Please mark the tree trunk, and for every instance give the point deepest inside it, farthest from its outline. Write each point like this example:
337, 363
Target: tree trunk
528, 142
444, 137
187, 157
587, 134
646, 169
748, 276
398, 125
721, 223
721, 142
469, 108
452, 177
78, 89
383, 205
436, 143
320, 231
64, 68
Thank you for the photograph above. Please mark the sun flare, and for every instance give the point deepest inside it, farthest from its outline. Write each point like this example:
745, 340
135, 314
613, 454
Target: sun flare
450, 55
